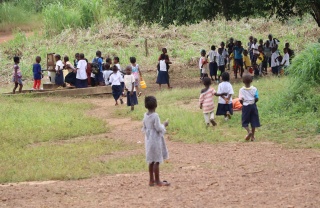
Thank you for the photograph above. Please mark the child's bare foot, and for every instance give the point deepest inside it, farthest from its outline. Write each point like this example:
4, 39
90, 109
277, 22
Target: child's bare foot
163, 183
116, 104
228, 115
152, 183
252, 139
139, 94
248, 136
121, 101
213, 122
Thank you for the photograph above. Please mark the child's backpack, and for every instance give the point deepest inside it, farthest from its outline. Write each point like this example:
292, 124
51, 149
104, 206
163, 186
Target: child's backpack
95, 66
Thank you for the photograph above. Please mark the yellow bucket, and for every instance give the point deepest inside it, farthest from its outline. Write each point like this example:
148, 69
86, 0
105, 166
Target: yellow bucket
143, 84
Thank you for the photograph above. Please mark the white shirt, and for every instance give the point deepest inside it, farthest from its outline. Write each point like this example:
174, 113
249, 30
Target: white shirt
116, 79
254, 48
59, 65
248, 95
273, 61
128, 81
225, 87
163, 65
81, 70
285, 59
106, 76
213, 54
273, 43
118, 66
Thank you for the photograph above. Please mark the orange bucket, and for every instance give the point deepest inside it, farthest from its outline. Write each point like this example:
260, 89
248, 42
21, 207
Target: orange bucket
143, 84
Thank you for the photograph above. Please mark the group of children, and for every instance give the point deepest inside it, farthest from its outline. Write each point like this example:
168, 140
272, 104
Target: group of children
255, 59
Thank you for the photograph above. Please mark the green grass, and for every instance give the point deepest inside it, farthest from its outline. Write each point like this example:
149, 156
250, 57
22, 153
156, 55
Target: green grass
187, 123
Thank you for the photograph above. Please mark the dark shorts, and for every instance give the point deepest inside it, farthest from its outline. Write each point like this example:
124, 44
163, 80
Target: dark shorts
81, 83
99, 78
116, 91
250, 115
275, 69
223, 108
132, 99
222, 69
239, 62
213, 67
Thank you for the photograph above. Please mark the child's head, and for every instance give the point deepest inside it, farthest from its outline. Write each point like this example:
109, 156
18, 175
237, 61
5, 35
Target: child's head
220, 50
16, 59
222, 44
270, 36
287, 45
57, 57
116, 60
206, 81
164, 50
133, 60
247, 79
245, 52
261, 42
268, 43
115, 69
255, 40
213, 47
66, 59
239, 43
107, 66
225, 77
150, 102
128, 70
260, 48
38, 59
77, 56
109, 60
274, 49
231, 40
203, 52
251, 38
285, 50
98, 53
81, 56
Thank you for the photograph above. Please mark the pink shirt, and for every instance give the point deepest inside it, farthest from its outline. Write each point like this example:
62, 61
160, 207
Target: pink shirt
206, 99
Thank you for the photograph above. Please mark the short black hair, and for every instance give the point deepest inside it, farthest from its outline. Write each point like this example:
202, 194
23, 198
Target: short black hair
66, 58
150, 102
81, 55
77, 55
58, 56
98, 53
38, 59
16, 59
245, 51
107, 66
108, 60
213, 47
116, 58
225, 76
133, 60
114, 68
247, 78
206, 81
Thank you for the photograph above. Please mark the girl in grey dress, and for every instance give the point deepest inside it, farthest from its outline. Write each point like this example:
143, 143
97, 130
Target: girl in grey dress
156, 150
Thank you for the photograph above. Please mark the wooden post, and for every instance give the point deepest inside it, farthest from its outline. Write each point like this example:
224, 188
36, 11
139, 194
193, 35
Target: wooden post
146, 47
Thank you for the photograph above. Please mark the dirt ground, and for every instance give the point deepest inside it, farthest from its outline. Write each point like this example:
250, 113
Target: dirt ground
201, 175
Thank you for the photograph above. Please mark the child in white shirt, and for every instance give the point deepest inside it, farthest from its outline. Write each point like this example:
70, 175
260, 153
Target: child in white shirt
129, 82
115, 80
225, 102
274, 62
107, 73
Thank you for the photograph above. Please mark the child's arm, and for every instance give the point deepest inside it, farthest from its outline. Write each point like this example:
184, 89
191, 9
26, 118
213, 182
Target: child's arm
256, 96
132, 87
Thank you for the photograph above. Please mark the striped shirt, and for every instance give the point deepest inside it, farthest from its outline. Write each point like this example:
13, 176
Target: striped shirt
206, 99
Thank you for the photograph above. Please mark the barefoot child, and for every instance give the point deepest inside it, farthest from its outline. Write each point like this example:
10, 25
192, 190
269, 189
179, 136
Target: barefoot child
156, 150
37, 74
129, 83
136, 73
248, 96
115, 80
17, 76
206, 102
163, 74
225, 92
203, 64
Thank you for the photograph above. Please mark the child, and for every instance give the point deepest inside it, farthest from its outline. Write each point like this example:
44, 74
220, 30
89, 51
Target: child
286, 58
98, 62
81, 76
248, 96
206, 102
59, 80
116, 80
238, 58
129, 84
71, 76
76, 60
274, 61
221, 63
246, 60
156, 150
107, 73
37, 74
225, 91
259, 61
231, 61
136, 73
116, 62
163, 76
17, 76
267, 55
213, 67
203, 64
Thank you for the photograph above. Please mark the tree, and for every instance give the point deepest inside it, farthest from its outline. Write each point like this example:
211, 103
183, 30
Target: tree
168, 12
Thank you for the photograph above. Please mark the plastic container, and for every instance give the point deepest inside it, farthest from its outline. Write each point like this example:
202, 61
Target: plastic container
143, 84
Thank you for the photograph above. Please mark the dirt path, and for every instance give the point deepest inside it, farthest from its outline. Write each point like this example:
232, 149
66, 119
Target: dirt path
202, 175
4, 37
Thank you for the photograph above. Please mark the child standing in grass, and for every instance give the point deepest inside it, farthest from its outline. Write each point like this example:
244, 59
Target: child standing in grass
129, 83
248, 96
136, 73
203, 64
225, 91
156, 150
37, 74
107, 73
213, 67
221, 63
116, 80
206, 102
246, 60
17, 76
163, 74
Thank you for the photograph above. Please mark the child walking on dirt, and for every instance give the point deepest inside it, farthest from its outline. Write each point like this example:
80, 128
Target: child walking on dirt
37, 74
248, 96
136, 73
17, 76
129, 83
116, 80
206, 102
156, 150
225, 91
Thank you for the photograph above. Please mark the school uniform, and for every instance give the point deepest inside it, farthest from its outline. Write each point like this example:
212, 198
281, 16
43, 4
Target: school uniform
59, 79
115, 80
255, 52
223, 107
213, 66
98, 77
286, 60
221, 63
250, 113
82, 78
274, 63
71, 76
106, 76
163, 76
128, 81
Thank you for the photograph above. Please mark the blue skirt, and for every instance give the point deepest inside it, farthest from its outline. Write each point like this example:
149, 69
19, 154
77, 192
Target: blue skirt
59, 80
71, 78
132, 99
213, 67
81, 83
223, 108
116, 91
163, 77
250, 115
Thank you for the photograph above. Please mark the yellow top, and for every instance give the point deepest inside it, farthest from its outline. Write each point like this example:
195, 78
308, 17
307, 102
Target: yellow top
246, 61
260, 59
231, 57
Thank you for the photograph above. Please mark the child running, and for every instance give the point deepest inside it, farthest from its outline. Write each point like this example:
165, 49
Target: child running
225, 91
17, 76
37, 74
248, 96
116, 80
156, 150
129, 83
206, 102
136, 73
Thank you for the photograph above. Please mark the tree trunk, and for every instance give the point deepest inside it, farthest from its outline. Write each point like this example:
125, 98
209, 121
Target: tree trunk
315, 12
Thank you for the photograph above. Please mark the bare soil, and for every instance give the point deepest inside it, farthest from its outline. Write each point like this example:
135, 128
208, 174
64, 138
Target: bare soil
255, 174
